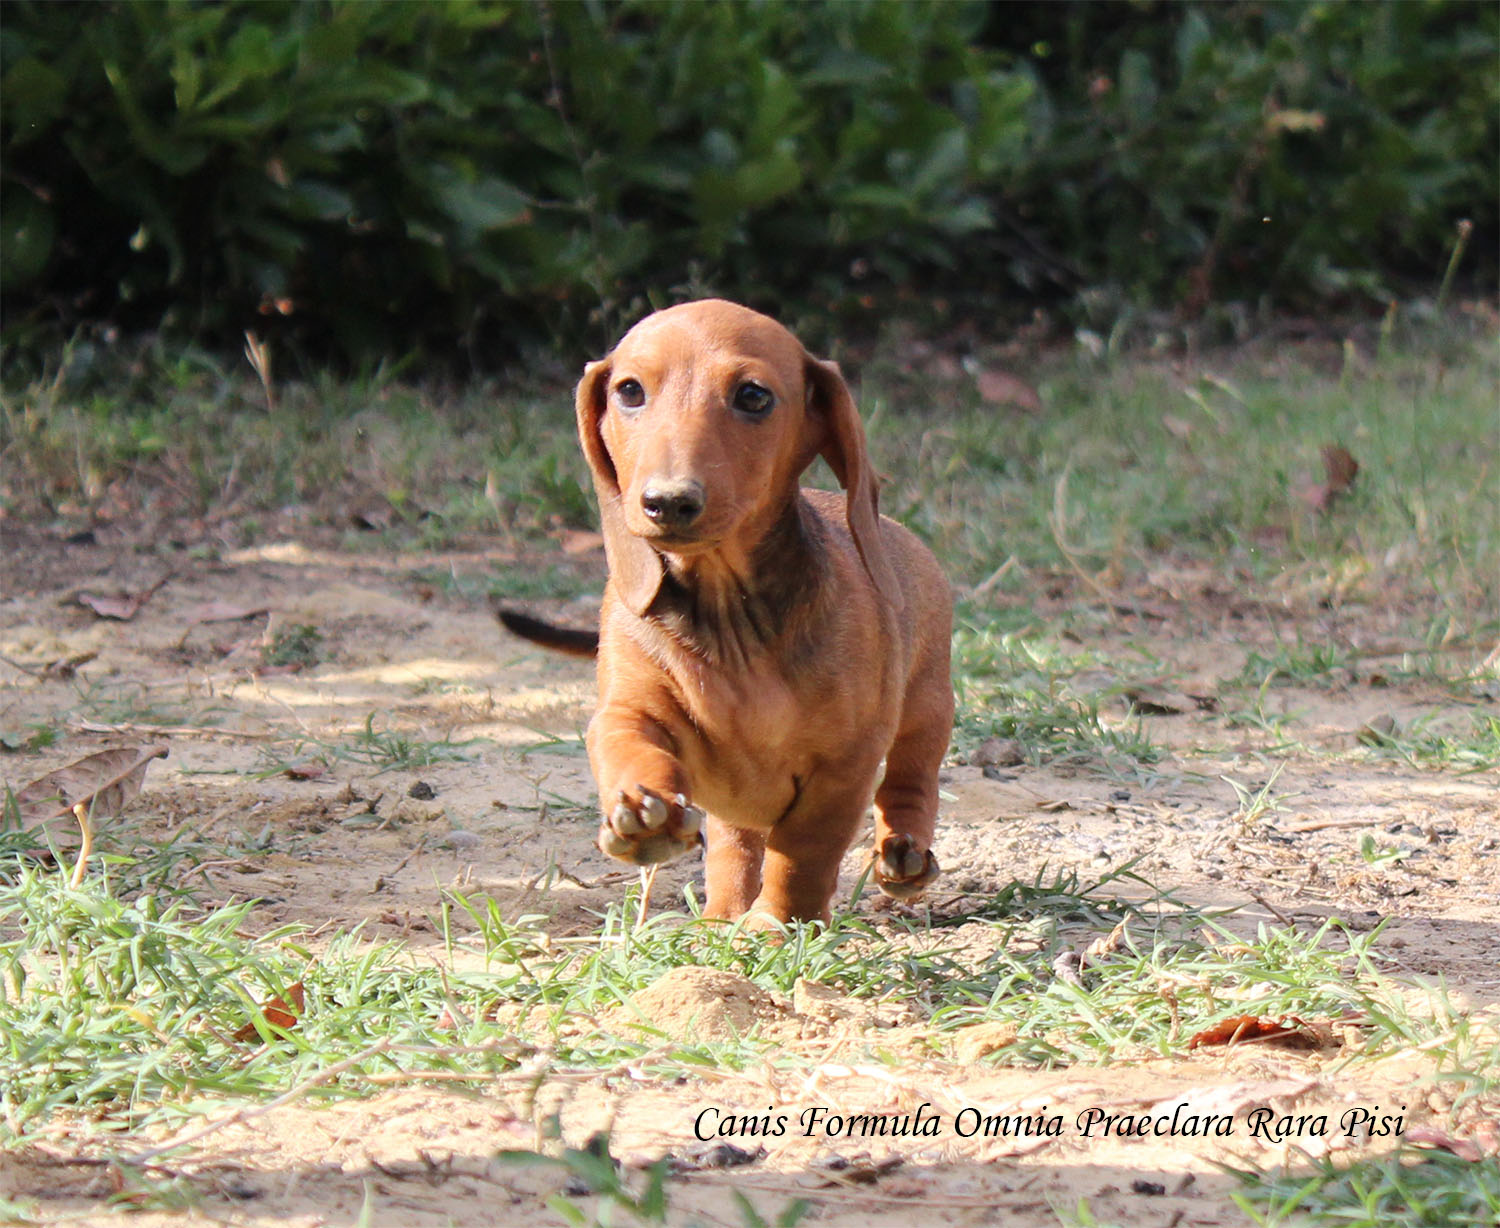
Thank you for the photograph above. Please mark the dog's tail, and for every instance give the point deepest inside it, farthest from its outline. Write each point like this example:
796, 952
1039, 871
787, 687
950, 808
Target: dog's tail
560, 639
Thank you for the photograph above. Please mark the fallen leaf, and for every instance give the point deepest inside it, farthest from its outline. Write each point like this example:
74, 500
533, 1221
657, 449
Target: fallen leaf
121, 608
1339, 471
859, 1171
374, 514
102, 783
1430, 1136
1380, 730
1002, 388
308, 769
279, 1012
1286, 1030
1180, 427
1148, 701
1106, 944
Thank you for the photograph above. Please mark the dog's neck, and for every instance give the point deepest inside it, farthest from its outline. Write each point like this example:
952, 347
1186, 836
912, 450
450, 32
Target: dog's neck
727, 608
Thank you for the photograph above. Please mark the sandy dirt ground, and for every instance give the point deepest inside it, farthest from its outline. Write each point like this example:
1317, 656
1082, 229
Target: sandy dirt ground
513, 820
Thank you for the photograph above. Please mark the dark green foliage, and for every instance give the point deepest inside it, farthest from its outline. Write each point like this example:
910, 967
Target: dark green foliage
378, 178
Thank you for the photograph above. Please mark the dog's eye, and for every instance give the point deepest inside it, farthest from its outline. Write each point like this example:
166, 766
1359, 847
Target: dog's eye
751, 398
630, 393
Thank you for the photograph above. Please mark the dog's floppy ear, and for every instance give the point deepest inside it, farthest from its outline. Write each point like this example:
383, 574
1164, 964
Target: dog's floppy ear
634, 567
843, 447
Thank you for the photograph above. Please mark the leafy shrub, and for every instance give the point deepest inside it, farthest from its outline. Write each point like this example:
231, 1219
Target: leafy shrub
378, 178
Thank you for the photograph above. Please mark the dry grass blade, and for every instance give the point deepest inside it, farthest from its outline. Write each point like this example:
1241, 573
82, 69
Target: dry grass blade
102, 784
258, 355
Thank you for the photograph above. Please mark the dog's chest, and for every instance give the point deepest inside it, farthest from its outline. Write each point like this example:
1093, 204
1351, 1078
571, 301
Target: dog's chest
755, 739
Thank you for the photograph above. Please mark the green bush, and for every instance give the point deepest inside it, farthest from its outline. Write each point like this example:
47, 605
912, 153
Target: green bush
379, 178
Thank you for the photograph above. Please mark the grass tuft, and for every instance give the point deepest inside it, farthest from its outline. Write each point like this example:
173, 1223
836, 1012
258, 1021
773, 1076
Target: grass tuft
1411, 1188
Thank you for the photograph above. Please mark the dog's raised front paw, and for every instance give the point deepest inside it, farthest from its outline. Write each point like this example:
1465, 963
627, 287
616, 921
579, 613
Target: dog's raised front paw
647, 828
902, 869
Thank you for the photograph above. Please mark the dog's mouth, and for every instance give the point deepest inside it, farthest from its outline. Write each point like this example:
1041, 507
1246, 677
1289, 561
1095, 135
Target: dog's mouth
666, 542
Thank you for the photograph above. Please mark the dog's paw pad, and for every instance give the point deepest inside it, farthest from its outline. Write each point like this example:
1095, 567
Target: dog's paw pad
903, 870
649, 830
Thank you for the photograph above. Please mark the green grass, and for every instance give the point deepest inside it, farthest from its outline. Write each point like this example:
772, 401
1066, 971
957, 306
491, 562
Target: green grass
190, 435
386, 750
130, 1006
1411, 1188
299, 644
1201, 458
1025, 685
1468, 741
1205, 459
549, 576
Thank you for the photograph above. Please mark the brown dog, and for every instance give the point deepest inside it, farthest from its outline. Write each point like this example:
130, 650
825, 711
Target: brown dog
762, 648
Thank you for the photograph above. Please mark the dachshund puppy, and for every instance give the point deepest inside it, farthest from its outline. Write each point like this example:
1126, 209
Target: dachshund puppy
763, 649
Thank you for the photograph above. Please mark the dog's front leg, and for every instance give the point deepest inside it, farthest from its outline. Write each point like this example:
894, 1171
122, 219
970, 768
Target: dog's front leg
734, 859
800, 872
643, 789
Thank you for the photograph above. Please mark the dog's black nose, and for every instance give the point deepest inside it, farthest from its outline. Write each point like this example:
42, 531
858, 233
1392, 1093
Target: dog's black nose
672, 504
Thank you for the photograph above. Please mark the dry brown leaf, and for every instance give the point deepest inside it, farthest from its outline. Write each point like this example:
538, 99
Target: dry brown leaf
1151, 701
1002, 388
1339, 468
1286, 1030
1339, 471
372, 513
308, 769
861, 1170
1180, 427
101, 783
1106, 944
279, 1012
123, 607
1431, 1136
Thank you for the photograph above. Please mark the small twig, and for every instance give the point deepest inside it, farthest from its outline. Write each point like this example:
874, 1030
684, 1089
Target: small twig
175, 731
1273, 910
996, 576
1330, 824
25, 669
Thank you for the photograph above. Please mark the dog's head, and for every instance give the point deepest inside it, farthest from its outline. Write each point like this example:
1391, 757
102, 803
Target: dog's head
697, 427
